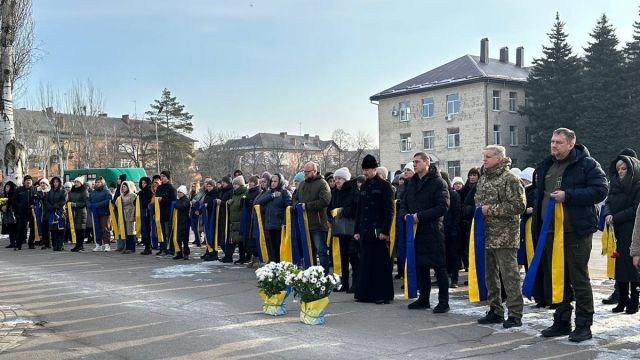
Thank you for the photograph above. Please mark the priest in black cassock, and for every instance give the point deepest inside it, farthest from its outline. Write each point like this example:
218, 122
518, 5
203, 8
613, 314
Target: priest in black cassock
373, 224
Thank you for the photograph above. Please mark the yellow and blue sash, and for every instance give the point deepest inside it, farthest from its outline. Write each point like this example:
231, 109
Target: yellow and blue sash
261, 241
608, 249
96, 224
392, 232
208, 233
141, 224
121, 219
601, 219
37, 218
477, 282
303, 223
287, 240
156, 226
554, 212
401, 242
526, 250
216, 226
174, 226
114, 222
291, 237
410, 284
72, 226
333, 242
56, 221
195, 221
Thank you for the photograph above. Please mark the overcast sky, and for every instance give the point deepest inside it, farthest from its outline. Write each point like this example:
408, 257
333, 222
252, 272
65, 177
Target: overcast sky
284, 65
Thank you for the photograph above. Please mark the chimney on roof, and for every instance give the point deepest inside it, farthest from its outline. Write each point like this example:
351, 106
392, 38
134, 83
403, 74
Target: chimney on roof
244, 137
484, 51
306, 136
317, 137
125, 119
102, 115
504, 54
520, 56
283, 134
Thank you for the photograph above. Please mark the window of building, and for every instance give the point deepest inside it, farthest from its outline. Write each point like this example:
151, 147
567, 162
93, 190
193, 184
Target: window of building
527, 136
513, 135
453, 137
453, 168
513, 101
76, 145
405, 111
496, 100
427, 107
496, 135
405, 142
125, 163
526, 100
428, 139
453, 104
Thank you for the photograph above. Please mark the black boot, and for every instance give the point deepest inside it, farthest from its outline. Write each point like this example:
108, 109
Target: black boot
632, 303
419, 304
491, 318
559, 328
614, 297
582, 331
178, 256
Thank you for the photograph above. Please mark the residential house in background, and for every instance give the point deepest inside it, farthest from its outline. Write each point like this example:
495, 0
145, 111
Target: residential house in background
453, 111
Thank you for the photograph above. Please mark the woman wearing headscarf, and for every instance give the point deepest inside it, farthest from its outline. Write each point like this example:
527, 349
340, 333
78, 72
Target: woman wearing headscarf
467, 195
275, 202
128, 196
9, 226
77, 198
41, 193
619, 211
54, 202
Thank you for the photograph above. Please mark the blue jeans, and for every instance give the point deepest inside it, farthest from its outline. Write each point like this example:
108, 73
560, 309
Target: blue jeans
319, 239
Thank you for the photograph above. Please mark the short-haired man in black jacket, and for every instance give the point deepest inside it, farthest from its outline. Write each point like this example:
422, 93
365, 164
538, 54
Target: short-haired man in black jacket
166, 194
575, 179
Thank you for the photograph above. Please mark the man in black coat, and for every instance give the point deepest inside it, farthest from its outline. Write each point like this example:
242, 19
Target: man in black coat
166, 194
373, 224
576, 180
144, 197
426, 199
22, 203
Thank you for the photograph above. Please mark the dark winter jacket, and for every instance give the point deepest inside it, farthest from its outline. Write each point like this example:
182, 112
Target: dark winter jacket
622, 203
235, 211
428, 197
274, 207
22, 201
452, 236
345, 198
168, 194
100, 197
184, 224
584, 184
78, 199
374, 212
224, 195
55, 199
316, 196
9, 217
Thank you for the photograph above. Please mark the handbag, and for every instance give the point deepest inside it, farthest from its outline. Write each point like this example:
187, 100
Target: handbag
343, 227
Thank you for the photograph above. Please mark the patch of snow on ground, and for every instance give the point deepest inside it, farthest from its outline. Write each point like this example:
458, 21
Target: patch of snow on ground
18, 321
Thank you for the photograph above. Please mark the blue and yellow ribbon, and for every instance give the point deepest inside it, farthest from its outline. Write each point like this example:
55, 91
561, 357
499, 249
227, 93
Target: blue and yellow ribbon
195, 221
157, 226
307, 249
141, 226
608, 249
287, 240
37, 217
121, 219
259, 236
477, 281
392, 232
72, 226
526, 250
555, 213
333, 242
174, 226
410, 283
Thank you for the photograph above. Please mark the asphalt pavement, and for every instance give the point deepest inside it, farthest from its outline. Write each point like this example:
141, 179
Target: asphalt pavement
62, 305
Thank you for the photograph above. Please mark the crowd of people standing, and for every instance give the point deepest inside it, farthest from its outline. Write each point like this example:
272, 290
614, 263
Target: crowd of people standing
254, 215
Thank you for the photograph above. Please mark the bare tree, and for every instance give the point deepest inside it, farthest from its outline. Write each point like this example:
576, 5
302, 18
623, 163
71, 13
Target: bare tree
362, 142
39, 143
343, 141
218, 156
277, 157
83, 106
25, 50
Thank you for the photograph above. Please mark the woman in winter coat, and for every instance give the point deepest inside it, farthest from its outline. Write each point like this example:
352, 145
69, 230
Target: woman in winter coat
235, 216
345, 197
467, 195
41, 193
128, 196
183, 206
9, 226
452, 240
209, 202
274, 202
144, 197
196, 196
619, 211
77, 197
250, 244
54, 203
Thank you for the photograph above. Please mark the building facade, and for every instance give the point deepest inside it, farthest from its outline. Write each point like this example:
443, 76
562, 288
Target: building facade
453, 111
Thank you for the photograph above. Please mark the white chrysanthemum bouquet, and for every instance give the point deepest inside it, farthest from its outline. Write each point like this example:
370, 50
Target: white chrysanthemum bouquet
273, 286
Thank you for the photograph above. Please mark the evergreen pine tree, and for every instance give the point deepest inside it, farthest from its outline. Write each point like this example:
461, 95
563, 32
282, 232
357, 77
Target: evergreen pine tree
632, 81
174, 122
602, 98
551, 86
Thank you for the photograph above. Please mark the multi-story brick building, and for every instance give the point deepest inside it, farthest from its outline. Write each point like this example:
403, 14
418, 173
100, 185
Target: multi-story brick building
453, 111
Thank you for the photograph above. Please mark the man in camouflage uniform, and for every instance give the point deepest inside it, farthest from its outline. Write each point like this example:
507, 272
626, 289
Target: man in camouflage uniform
501, 196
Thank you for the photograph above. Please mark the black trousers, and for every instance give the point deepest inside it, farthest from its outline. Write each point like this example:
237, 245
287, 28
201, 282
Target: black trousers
79, 239
424, 282
349, 254
273, 246
21, 230
45, 239
57, 239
